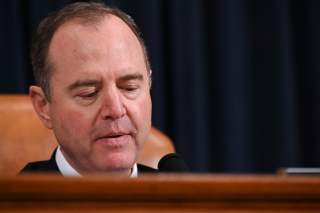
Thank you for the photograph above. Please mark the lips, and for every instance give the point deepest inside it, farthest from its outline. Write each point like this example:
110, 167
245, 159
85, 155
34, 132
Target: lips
114, 134
114, 140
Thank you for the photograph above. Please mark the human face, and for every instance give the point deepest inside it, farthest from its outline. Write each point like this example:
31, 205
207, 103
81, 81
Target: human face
100, 107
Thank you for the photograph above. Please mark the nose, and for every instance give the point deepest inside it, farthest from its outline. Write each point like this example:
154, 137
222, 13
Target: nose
112, 105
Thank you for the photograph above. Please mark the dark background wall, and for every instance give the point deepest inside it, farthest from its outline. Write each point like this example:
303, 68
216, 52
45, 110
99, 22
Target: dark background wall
235, 82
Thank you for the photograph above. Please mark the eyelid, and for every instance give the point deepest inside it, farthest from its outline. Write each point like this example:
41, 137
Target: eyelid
89, 95
130, 86
87, 92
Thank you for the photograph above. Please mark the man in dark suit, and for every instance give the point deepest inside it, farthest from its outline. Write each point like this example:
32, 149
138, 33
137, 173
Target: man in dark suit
93, 89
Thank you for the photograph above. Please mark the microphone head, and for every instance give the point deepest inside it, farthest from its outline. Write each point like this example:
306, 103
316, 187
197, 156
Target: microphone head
172, 163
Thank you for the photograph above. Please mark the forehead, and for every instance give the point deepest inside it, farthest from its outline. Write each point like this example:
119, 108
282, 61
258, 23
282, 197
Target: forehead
110, 42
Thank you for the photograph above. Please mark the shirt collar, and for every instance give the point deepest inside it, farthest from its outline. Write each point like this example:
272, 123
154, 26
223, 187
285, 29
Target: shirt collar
67, 170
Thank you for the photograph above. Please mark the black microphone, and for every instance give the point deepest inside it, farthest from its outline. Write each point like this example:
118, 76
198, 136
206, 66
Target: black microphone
172, 163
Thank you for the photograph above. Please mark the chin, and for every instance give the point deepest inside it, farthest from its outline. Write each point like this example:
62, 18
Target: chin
117, 163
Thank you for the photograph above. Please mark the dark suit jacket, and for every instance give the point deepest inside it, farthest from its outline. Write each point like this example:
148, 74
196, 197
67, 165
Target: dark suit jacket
50, 166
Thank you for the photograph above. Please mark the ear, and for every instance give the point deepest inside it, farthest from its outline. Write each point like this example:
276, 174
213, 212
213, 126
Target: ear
41, 105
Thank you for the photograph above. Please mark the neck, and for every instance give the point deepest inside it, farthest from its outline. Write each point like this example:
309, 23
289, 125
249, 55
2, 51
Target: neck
89, 171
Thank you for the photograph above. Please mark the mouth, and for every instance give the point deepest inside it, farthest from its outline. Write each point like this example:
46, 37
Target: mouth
116, 140
114, 136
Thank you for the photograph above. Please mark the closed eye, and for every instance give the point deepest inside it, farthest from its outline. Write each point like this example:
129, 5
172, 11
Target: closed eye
131, 91
131, 88
89, 95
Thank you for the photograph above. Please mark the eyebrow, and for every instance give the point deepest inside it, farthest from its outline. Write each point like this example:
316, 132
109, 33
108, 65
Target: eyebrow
84, 83
135, 76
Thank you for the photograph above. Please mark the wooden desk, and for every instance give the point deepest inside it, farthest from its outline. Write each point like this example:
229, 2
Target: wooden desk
161, 193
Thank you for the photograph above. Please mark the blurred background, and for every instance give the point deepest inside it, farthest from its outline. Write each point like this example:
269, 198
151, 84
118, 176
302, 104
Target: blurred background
236, 83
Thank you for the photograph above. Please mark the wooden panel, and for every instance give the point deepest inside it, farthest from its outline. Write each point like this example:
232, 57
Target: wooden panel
160, 193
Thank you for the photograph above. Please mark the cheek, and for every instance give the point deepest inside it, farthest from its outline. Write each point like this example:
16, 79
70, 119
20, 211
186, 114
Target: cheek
143, 115
70, 123
148, 107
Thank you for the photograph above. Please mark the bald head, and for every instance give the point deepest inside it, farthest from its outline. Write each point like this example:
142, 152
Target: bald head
86, 14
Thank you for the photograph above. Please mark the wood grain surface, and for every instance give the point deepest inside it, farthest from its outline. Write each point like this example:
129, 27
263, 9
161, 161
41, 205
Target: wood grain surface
160, 193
